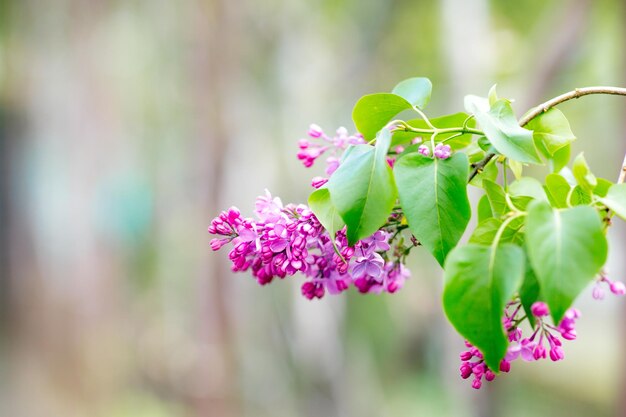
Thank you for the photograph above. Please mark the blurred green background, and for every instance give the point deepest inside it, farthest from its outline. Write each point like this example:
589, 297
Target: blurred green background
125, 126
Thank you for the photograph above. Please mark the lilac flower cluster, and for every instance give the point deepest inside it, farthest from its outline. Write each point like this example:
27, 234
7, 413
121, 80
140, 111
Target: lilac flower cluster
287, 239
320, 143
528, 349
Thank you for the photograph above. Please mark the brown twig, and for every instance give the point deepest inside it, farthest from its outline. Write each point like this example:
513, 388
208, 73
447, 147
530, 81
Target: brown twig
544, 107
577, 93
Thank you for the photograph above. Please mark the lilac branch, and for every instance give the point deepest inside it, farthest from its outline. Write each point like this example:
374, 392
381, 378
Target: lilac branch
544, 107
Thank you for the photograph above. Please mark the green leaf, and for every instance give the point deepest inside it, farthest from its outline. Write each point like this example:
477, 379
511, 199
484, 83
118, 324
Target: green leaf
496, 196
529, 292
552, 130
443, 122
616, 200
433, 196
353, 151
486, 232
517, 168
484, 209
321, 204
363, 190
583, 174
603, 187
560, 159
493, 95
580, 197
521, 202
415, 90
528, 186
557, 188
501, 128
485, 145
479, 281
566, 248
372, 112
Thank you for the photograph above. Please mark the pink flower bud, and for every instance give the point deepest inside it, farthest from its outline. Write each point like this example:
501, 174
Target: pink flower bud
466, 370
476, 383
598, 293
505, 366
315, 131
539, 352
556, 353
539, 309
479, 370
618, 288
423, 149
466, 356
317, 182
489, 375
569, 335
442, 151
216, 244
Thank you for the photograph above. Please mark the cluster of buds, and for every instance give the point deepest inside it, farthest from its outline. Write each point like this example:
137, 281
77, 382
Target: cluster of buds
472, 364
441, 151
615, 287
529, 349
319, 143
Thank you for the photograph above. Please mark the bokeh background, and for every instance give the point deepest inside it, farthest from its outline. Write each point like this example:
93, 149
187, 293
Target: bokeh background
125, 126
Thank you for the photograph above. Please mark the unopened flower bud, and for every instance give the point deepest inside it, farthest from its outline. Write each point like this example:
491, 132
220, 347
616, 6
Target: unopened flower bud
315, 131
598, 293
477, 383
317, 182
539, 309
466, 356
466, 370
618, 288
423, 149
442, 151
489, 375
556, 353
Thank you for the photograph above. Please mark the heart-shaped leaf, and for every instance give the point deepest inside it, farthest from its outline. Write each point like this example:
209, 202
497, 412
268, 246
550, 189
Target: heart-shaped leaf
582, 173
433, 196
479, 281
374, 111
415, 90
552, 130
557, 189
502, 129
566, 248
616, 199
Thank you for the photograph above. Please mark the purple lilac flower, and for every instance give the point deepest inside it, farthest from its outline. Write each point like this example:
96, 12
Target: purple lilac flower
284, 240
